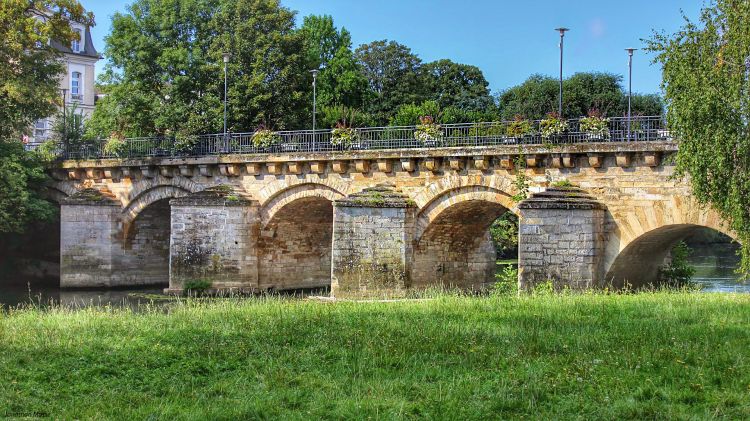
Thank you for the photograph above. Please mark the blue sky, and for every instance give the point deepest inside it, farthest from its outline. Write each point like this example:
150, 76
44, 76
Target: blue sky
508, 40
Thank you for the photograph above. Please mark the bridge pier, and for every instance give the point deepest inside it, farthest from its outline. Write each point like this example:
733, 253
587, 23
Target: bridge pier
372, 244
214, 239
89, 252
561, 239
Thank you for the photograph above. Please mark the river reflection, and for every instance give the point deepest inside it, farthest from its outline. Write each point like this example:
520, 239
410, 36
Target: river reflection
715, 266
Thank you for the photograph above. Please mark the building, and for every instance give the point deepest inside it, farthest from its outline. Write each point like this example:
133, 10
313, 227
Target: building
78, 82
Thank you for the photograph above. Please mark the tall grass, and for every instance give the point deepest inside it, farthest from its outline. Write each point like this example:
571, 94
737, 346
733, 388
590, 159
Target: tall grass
646, 356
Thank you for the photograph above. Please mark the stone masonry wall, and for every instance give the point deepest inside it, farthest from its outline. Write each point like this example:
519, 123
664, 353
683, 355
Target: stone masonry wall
145, 249
295, 247
561, 239
87, 239
214, 238
372, 236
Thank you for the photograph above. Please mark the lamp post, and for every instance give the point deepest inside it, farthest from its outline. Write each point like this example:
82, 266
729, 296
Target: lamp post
630, 85
562, 32
65, 120
225, 56
315, 78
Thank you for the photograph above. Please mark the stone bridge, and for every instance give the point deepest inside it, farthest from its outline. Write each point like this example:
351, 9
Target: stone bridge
374, 222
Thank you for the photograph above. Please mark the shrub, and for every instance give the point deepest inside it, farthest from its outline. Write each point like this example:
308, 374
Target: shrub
563, 183
428, 130
678, 273
519, 127
595, 124
116, 146
264, 138
553, 125
197, 286
507, 282
184, 143
48, 151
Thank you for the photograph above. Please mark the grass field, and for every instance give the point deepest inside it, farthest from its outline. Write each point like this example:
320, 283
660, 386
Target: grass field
641, 356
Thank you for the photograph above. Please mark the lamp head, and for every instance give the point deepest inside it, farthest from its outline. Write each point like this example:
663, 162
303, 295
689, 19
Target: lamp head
562, 30
630, 51
226, 57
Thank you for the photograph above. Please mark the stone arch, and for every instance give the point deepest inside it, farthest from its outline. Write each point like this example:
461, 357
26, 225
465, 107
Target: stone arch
149, 196
144, 185
642, 237
436, 190
453, 247
277, 187
272, 205
295, 243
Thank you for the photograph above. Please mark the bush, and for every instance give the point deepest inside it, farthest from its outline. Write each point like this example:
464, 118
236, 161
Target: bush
265, 138
519, 127
507, 281
116, 146
184, 143
553, 125
197, 286
428, 130
342, 135
48, 151
595, 124
678, 273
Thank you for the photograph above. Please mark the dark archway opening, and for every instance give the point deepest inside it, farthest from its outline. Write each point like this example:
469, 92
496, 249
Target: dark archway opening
146, 246
641, 263
457, 249
295, 246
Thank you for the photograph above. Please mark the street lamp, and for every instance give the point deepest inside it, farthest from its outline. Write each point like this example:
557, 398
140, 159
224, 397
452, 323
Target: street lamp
562, 32
315, 78
65, 120
630, 83
225, 56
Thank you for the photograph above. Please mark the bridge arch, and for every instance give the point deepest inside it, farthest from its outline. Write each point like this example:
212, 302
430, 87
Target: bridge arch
643, 237
453, 246
277, 187
297, 191
296, 236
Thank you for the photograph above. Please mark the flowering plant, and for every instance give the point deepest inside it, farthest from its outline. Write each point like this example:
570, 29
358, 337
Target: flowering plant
595, 124
264, 137
553, 125
519, 126
343, 135
428, 130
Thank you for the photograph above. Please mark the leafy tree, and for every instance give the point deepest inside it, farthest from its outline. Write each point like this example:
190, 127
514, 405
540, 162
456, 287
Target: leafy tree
586, 91
504, 232
392, 72
341, 80
456, 85
706, 79
531, 99
678, 273
29, 74
165, 68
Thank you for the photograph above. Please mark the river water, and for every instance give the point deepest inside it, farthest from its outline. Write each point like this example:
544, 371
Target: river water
715, 272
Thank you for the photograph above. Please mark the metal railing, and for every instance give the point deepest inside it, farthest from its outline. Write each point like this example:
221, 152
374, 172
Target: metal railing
650, 128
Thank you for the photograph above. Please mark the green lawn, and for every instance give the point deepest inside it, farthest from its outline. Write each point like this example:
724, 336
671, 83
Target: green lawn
643, 356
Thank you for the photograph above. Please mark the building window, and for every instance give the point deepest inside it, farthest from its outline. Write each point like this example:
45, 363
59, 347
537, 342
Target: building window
76, 45
76, 93
40, 129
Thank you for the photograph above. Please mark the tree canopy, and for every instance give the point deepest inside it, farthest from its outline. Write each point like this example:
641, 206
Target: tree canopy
706, 80
29, 75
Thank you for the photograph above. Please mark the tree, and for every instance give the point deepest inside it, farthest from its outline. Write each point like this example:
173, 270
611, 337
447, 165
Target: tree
587, 91
706, 80
456, 85
392, 72
341, 80
532, 99
165, 70
29, 74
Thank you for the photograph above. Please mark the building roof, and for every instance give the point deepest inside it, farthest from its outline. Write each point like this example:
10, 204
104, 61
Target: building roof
88, 49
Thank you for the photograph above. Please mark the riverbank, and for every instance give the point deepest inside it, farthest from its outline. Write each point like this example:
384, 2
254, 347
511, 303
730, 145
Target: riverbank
649, 355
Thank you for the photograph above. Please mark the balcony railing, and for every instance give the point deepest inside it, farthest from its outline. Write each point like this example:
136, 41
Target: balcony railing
641, 129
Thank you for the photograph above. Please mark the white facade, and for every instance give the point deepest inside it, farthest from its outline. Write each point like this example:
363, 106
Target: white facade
77, 83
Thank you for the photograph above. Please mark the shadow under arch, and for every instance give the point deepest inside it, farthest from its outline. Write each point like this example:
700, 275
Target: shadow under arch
295, 243
453, 246
639, 262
